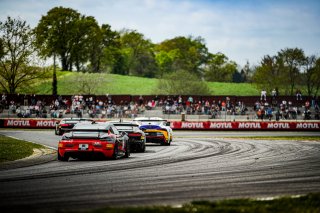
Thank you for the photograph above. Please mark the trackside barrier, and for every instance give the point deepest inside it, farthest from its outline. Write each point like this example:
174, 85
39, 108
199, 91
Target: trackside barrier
289, 126
180, 125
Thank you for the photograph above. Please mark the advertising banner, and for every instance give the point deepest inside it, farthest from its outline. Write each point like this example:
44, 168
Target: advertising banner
180, 125
246, 125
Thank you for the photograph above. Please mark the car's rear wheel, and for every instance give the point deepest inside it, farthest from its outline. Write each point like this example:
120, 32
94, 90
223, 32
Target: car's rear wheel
127, 152
63, 158
115, 152
143, 147
60, 132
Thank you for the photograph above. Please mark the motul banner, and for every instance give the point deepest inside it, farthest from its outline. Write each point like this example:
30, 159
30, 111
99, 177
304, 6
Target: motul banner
29, 123
178, 125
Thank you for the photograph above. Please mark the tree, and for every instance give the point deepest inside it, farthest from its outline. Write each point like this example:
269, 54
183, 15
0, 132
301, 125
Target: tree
108, 44
182, 83
219, 68
293, 59
138, 53
269, 74
16, 56
312, 75
316, 76
83, 37
55, 34
186, 53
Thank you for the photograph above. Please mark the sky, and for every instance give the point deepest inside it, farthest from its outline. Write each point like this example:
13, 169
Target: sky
243, 30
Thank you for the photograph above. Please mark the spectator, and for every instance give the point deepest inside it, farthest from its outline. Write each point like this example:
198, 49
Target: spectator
274, 93
298, 95
263, 95
140, 100
269, 113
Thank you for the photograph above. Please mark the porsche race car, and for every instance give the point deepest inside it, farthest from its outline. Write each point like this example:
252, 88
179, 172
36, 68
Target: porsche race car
66, 124
137, 138
157, 130
96, 139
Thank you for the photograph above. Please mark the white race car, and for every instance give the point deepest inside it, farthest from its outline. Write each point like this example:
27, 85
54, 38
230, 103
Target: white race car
157, 130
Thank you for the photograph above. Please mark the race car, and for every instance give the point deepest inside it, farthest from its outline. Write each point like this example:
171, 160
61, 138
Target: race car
157, 130
93, 139
137, 138
66, 124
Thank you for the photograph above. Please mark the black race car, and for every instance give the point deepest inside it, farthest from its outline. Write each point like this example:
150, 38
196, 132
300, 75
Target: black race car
137, 138
66, 124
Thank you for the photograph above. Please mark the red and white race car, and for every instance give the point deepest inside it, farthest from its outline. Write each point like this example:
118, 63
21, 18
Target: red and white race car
93, 139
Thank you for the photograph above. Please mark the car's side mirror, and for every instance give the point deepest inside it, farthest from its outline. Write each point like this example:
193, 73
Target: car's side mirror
167, 123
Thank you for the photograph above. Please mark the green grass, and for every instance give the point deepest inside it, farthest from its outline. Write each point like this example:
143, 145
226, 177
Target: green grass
304, 204
132, 85
13, 149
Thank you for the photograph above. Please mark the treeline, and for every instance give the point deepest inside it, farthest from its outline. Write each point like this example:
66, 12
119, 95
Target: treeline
82, 44
78, 43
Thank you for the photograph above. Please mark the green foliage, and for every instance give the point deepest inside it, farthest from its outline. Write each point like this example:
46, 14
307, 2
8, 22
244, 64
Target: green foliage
293, 59
13, 149
16, 70
138, 54
183, 83
220, 69
185, 53
56, 33
268, 75
311, 76
305, 204
285, 72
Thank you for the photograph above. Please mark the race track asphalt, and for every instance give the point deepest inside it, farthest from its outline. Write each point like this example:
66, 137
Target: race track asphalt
197, 166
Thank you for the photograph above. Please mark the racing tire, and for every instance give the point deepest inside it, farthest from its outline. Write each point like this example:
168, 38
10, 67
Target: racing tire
143, 148
127, 152
62, 158
115, 152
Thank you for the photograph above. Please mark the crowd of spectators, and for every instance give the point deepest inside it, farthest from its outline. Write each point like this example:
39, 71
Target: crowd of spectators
203, 107
265, 108
286, 110
95, 108
25, 110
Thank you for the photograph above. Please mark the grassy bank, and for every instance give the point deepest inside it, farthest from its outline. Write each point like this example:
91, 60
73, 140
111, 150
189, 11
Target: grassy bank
304, 204
120, 84
12, 149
